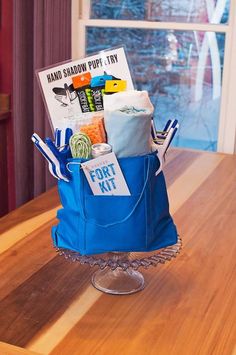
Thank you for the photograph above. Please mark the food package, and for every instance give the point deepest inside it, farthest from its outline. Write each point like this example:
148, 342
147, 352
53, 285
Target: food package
95, 130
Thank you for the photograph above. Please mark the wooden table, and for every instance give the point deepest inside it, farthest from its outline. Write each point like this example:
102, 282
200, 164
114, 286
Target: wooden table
48, 305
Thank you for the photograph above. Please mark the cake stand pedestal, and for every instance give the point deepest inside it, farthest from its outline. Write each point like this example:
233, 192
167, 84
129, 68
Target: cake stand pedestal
117, 273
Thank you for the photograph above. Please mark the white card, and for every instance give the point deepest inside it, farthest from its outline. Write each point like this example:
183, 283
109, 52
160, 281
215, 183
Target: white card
105, 176
63, 107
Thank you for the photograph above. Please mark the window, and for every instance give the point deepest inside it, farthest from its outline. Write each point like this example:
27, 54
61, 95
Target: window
181, 52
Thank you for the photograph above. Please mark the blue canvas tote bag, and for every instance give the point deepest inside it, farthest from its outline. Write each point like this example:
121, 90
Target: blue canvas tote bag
97, 224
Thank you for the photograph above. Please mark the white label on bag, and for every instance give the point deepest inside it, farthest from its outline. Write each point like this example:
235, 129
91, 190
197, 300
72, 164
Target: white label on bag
105, 176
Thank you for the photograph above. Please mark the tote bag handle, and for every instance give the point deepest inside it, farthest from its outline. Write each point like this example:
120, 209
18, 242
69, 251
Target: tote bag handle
106, 225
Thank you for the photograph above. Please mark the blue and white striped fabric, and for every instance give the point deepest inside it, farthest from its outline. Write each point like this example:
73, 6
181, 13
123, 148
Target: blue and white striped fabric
56, 153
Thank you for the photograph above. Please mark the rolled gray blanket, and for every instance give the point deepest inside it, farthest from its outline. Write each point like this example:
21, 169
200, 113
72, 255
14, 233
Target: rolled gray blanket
127, 117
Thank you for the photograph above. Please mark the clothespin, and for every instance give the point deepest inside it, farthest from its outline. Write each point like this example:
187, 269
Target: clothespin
60, 148
53, 163
61, 159
163, 140
170, 128
62, 138
160, 136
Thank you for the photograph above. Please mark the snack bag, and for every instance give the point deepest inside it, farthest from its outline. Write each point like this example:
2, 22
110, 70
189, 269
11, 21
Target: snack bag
97, 90
81, 84
95, 130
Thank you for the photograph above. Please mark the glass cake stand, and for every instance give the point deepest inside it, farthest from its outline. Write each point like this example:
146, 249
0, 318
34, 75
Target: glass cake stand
117, 273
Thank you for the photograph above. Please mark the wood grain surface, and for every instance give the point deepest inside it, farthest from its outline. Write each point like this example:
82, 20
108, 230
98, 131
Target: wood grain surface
7, 349
48, 306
